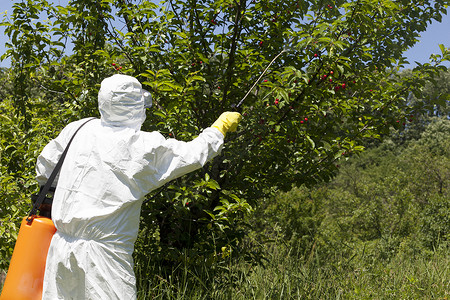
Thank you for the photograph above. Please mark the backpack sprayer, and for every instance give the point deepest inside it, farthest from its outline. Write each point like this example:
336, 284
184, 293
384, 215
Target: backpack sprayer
24, 280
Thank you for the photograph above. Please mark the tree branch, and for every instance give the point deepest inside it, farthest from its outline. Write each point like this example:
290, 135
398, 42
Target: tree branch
232, 56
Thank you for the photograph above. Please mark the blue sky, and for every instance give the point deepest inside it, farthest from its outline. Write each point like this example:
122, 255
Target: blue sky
437, 33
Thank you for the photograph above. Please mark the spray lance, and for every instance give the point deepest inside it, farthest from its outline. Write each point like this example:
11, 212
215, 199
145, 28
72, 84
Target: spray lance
236, 107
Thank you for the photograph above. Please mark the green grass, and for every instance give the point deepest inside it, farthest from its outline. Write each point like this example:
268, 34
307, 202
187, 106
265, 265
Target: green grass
285, 277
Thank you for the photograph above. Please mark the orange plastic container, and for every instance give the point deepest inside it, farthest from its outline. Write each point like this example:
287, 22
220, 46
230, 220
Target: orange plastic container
26, 269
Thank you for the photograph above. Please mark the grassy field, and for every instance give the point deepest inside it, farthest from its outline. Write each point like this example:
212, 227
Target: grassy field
284, 277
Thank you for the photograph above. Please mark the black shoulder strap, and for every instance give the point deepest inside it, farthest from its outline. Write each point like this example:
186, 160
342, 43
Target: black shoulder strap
43, 192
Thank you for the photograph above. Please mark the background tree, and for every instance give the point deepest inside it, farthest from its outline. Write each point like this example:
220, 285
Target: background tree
389, 202
334, 87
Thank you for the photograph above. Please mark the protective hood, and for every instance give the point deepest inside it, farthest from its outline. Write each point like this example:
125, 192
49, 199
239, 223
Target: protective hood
121, 102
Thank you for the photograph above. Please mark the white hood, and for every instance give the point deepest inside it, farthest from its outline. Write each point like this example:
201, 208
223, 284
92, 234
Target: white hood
121, 102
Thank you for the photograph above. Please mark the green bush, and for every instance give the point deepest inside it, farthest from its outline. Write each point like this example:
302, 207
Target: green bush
388, 202
434, 223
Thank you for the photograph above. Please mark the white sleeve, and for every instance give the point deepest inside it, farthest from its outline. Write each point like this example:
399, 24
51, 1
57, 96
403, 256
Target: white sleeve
172, 158
47, 161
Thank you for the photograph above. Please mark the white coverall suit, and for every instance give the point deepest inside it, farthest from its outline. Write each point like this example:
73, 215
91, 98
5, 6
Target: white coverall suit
109, 168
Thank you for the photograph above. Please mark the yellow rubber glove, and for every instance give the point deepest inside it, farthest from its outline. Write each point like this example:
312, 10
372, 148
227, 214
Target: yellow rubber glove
227, 122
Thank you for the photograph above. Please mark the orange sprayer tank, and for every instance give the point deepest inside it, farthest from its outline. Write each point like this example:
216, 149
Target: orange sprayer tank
26, 269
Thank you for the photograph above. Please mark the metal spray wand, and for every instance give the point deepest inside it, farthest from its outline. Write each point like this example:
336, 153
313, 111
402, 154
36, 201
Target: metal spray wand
259, 78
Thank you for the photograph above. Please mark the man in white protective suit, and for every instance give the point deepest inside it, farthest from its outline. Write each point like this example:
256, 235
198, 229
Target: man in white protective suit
109, 168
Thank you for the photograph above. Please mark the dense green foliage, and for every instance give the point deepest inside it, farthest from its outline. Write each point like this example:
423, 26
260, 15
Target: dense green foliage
335, 91
19, 149
392, 200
